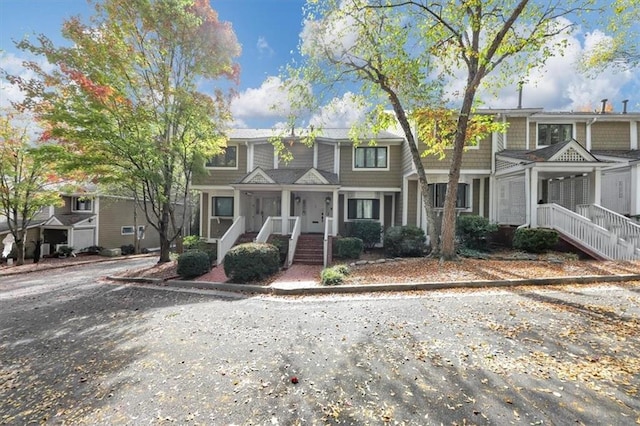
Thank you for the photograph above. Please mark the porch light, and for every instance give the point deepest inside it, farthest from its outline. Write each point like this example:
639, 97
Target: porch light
327, 200
298, 200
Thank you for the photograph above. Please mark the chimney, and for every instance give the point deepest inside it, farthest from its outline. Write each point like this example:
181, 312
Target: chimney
624, 106
520, 84
604, 106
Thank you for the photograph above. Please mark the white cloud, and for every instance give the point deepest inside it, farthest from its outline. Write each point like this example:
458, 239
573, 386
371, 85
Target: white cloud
339, 113
13, 65
267, 101
560, 85
263, 47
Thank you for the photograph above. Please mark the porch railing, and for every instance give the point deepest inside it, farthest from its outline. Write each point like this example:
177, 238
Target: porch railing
328, 231
620, 225
293, 241
229, 238
266, 230
583, 230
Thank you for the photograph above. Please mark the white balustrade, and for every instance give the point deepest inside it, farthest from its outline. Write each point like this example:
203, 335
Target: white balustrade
229, 238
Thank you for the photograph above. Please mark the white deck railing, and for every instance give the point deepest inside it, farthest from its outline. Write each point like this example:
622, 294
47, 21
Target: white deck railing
293, 241
582, 229
620, 225
328, 231
266, 230
229, 238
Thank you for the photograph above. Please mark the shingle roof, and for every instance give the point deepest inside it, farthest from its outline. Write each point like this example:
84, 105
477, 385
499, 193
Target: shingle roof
72, 219
631, 154
337, 134
536, 155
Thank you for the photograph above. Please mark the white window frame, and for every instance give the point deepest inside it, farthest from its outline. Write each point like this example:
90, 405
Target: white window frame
468, 200
559, 123
370, 169
127, 230
76, 200
213, 209
225, 167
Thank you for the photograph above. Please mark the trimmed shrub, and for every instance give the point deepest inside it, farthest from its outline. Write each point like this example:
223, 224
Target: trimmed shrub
404, 241
191, 241
334, 275
368, 231
473, 230
127, 249
251, 262
535, 240
193, 263
194, 242
348, 248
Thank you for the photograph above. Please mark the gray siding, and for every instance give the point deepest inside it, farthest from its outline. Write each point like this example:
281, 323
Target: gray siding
263, 156
517, 133
222, 176
610, 135
412, 203
302, 156
371, 179
116, 213
478, 157
325, 157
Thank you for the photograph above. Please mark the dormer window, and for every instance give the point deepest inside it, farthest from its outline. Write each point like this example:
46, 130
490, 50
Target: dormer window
549, 134
82, 204
226, 160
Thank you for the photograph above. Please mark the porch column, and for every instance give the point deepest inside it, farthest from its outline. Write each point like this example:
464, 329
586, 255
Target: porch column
533, 198
634, 205
527, 196
596, 183
285, 207
493, 202
236, 204
481, 198
335, 212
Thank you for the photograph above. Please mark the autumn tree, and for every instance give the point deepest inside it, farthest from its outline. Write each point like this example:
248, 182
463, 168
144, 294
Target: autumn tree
403, 54
133, 99
26, 179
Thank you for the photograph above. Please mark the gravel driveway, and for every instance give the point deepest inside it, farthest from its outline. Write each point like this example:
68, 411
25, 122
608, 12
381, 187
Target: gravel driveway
75, 349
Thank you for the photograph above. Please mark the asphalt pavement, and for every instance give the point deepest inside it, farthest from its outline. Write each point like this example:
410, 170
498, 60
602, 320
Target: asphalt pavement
78, 349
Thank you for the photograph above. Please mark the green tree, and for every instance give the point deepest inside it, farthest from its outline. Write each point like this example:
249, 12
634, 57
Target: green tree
126, 100
26, 180
403, 53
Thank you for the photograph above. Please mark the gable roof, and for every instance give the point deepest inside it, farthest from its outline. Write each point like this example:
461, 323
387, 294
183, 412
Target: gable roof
307, 176
568, 151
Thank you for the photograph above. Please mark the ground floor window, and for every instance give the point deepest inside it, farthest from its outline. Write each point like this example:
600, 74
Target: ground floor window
360, 208
439, 192
222, 206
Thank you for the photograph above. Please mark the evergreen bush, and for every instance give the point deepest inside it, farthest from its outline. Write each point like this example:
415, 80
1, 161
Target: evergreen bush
251, 262
473, 230
348, 248
535, 240
368, 231
404, 241
193, 263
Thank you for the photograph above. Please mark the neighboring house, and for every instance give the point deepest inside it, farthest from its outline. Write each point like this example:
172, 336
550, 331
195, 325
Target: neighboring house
87, 220
575, 172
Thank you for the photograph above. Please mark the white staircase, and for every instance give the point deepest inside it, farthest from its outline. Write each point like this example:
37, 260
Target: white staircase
606, 233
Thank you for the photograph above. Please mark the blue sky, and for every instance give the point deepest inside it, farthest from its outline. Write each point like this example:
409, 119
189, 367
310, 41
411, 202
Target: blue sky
269, 31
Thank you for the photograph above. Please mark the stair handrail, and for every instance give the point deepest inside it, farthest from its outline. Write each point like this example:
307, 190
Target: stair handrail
628, 228
293, 241
229, 238
582, 229
328, 231
265, 231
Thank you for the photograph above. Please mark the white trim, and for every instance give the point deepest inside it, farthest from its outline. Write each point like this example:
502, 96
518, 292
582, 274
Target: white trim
405, 200
201, 219
315, 155
336, 159
343, 189
633, 130
527, 133
74, 199
250, 154
432, 172
481, 189
573, 125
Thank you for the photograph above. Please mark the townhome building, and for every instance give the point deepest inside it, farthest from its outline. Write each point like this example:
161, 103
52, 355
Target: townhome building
576, 172
87, 219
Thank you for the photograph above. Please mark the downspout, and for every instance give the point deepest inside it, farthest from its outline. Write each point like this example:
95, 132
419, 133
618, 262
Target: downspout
588, 131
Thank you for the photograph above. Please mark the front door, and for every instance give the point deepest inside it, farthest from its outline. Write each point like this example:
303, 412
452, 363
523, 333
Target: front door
316, 208
265, 206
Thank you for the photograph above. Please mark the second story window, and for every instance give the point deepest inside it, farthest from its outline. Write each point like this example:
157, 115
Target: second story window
370, 157
548, 134
227, 159
82, 204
